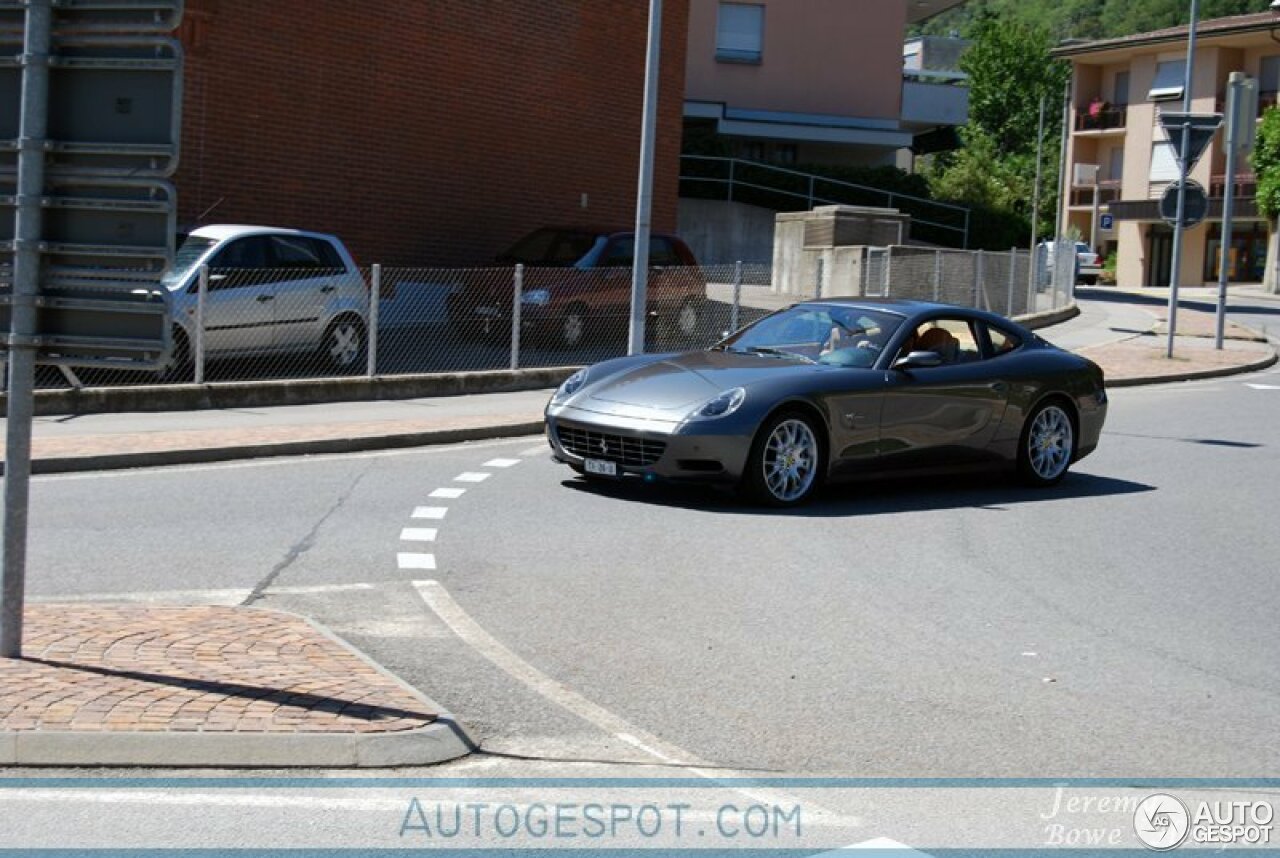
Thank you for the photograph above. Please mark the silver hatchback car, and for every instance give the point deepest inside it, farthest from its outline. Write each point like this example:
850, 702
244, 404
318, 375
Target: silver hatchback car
270, 291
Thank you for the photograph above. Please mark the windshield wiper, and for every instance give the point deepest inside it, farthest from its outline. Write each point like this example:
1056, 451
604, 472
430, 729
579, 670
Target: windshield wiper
765, 350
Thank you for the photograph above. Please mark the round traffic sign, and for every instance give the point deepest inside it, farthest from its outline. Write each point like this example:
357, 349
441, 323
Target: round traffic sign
1194, 208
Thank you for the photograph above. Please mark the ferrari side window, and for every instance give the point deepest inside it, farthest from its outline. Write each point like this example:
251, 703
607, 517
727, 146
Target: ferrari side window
1002, 341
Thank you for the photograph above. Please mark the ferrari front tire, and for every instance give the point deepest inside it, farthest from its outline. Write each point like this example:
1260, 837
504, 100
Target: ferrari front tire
786, 462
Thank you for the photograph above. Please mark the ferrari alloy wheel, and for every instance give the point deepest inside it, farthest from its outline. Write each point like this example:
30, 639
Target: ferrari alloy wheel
1048, 445
786, 461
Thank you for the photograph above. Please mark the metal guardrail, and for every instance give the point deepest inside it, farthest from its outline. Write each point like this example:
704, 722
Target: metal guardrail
759, 183
242, 325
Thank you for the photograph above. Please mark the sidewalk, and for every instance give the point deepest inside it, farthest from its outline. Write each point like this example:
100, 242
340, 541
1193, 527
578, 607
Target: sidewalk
236, 687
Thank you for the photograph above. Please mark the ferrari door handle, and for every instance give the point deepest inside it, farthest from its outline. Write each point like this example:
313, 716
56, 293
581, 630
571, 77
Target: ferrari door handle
998, 387
327, 288
262, 299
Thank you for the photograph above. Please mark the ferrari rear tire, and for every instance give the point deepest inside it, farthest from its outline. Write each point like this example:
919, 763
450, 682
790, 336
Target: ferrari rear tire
786, 462
1047, 445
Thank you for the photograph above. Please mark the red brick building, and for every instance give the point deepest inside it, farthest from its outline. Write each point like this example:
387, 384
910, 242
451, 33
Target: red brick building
424, 132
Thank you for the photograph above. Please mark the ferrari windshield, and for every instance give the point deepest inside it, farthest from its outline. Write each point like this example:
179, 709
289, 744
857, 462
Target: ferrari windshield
815, 331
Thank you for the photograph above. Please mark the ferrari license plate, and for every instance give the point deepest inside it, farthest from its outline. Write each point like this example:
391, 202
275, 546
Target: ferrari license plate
601, 467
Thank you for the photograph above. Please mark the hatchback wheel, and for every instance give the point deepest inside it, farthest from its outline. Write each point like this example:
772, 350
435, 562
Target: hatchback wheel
687, 319
1047, 446
177, 366
344, 344
786, 461
573, 326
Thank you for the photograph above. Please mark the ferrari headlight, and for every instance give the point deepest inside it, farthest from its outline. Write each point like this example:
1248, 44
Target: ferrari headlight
721, 406
571, 385
536, 297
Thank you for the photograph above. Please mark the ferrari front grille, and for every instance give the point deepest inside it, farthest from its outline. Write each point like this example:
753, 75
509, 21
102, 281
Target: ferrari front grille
623, 449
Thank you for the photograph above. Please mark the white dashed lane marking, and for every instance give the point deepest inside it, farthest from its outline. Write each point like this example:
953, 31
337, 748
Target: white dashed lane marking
449, 494
416, 561
501, 463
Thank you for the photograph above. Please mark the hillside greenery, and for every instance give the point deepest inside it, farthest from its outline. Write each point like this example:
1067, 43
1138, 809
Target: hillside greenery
1085, 19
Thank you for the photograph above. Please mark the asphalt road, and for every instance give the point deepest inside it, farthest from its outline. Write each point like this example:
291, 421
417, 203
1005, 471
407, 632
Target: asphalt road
1120, 624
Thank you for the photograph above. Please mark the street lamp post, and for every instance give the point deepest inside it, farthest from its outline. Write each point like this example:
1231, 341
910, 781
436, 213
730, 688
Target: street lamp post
644, 194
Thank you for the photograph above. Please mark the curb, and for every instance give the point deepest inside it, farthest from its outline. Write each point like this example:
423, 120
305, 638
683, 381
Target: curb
440, 741
319, 446
306, 391
1195, 375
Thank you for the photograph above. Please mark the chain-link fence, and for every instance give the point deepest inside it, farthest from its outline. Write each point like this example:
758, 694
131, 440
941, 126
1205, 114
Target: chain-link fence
244, 325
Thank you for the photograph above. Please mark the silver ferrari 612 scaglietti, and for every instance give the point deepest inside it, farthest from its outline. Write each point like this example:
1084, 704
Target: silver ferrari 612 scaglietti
832, 389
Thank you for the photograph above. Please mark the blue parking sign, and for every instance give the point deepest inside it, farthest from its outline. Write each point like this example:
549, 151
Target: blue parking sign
1106, 222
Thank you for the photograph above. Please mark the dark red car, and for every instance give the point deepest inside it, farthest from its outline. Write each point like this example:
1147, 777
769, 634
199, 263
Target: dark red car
577, 286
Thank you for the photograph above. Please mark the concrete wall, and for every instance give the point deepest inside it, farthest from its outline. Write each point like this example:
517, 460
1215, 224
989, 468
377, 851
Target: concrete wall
819, 56
721, 232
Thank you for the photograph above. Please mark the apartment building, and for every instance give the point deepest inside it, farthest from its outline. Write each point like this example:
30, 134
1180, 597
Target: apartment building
427, 133
820, 81
1118, 89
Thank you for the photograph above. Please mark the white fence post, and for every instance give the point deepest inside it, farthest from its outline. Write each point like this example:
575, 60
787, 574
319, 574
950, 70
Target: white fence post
517, 284
375, 303
1013, 267
937, 275
202, 292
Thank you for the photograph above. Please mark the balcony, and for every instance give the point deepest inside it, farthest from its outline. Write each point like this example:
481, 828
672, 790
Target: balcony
1265, 100
930, 100
1104, 119
1244, 187
1108, 192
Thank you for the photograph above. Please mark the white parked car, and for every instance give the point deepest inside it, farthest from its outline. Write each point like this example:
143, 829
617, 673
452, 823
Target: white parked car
271, 290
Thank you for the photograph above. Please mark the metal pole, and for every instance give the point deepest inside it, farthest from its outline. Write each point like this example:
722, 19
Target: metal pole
1093, 224
28, 227
737, 296
375, 310
979, 273
202, 296
1236, 83
517, 299
1175, 273
818, 286
1063, 194
644, 196
888, 270
1035, 196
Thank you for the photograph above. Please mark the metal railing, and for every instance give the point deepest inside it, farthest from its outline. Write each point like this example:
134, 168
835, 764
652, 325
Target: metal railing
734, 179
239, 325
1106, 119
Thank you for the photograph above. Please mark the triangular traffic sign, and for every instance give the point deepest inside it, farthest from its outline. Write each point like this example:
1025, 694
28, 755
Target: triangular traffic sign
1202, 126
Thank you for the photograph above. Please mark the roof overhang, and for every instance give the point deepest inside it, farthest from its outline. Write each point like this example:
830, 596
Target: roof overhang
801, 127
1215, 30
923, 10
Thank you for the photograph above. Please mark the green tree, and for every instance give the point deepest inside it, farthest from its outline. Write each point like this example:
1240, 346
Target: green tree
1009, 69
1266, 166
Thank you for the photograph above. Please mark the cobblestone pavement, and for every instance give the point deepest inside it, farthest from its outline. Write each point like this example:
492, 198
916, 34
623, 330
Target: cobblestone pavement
132, 668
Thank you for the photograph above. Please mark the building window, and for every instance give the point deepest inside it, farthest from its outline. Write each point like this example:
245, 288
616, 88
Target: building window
740, 33
1164, 165
1269, 78
1121, 96
1170, 76
784, 153
1116, 172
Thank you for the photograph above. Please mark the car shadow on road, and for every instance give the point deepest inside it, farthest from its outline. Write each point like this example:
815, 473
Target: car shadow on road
872, 496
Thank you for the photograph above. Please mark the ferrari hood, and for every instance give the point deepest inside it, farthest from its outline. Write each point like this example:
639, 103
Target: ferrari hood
682, 381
